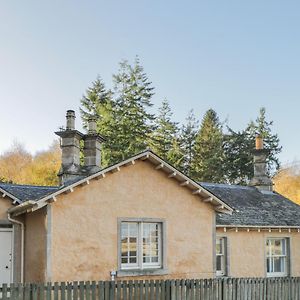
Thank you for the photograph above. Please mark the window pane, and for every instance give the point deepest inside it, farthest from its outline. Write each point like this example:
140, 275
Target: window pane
146, 259
151, 235
276, 259
268, 247
269, 267
132, 260
154, 259
279, 264
219, 263
277, 247
219, 246
129, 235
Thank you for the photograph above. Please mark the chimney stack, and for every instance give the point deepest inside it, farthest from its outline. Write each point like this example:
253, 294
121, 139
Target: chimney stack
92, 148
261, 180
70, 146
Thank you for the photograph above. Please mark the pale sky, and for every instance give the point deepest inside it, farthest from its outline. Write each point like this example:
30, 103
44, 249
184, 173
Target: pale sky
233, 56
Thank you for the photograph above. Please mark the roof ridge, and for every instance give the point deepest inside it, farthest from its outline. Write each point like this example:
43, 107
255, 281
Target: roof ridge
226, 185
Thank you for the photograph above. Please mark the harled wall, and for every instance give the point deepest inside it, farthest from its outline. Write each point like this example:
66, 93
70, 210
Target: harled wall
84, 225
246, 251
35, 246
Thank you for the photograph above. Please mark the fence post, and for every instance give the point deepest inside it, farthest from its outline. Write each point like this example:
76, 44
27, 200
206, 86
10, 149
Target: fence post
287, 288
4, 291
172, 290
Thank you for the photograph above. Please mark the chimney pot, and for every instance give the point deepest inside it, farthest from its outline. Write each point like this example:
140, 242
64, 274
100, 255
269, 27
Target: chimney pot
92, 125
259, 143
70, 120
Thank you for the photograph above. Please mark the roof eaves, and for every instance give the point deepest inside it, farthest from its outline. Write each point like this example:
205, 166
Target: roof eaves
220, 206
11, 196
257, 226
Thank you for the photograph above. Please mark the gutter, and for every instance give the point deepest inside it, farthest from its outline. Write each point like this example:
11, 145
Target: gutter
22, 243
22, 208
258, 226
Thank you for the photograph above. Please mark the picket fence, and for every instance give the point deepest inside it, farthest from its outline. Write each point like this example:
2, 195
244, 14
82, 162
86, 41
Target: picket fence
203, 289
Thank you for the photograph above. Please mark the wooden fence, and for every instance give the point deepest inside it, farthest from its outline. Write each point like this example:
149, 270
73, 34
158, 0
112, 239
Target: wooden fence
204, 289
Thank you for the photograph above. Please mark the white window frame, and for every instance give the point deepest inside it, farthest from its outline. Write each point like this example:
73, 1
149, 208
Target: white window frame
140, 265
285, 256
222, 255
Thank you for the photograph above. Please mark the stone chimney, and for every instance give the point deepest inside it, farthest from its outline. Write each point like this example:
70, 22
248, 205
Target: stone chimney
70, 146
92, 148
261, 180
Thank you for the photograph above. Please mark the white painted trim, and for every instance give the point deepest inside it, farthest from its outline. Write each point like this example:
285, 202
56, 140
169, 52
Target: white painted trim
258, 227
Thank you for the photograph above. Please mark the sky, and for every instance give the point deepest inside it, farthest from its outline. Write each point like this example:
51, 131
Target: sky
232, 56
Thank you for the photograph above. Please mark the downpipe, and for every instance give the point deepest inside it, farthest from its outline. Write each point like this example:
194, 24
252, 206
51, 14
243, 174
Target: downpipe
22, 243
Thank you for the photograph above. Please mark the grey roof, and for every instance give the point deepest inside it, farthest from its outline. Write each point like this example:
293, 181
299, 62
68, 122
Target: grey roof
253, 207
28, 192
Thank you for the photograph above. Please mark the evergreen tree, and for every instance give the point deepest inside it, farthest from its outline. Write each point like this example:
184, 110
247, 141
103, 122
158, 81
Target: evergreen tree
187, 139
238, 165
98, 102
208, 152
263, 128
163, 136
238, 148
175, 154
133, 92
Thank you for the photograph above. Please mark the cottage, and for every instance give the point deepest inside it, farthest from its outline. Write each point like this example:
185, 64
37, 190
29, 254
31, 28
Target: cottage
142, 218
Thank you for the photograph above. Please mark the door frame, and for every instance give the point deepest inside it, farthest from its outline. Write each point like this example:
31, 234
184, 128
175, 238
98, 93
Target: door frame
10, 229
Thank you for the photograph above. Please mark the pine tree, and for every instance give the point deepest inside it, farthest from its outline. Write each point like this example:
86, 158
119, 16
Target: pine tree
271, 140
133, 92
238, 165
187, 141
208, 152
238, 148
175, 154
162, 138
98, 102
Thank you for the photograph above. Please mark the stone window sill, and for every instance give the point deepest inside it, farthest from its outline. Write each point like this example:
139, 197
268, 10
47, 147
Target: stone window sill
144, 272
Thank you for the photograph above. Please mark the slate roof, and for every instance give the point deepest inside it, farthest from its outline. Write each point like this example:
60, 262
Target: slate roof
253, 207
28, 192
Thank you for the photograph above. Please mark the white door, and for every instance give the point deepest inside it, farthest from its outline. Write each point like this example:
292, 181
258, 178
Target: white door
5, 255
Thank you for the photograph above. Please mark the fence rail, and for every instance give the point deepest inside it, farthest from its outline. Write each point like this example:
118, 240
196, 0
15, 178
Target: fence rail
202, 289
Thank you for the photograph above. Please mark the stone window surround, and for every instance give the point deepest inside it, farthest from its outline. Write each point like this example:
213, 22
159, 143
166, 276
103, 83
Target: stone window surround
223, 255
287, 257
140, 272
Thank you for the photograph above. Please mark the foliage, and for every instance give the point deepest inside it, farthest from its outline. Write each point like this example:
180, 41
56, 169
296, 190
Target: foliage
122, 114
175, 154
207, 163
133, 123
20, 167
205, 153
164, 136
187, 139
238, 149
97, 102
287, 182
